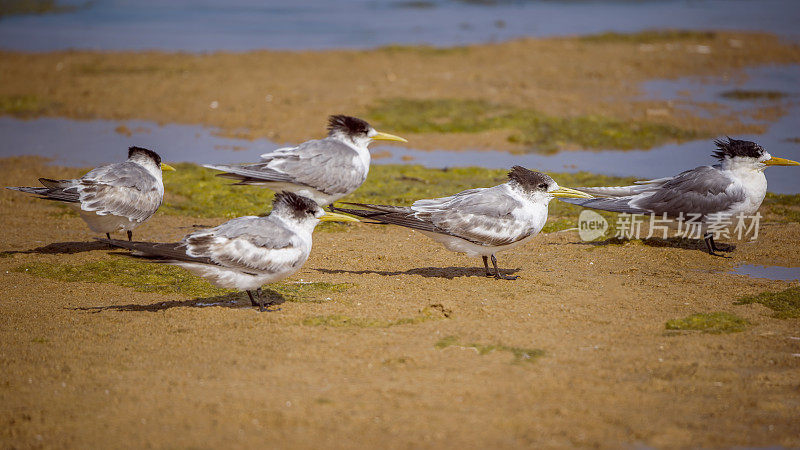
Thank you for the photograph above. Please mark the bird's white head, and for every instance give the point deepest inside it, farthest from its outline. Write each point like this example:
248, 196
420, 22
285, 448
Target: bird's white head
147, 158
357, 131
540, 188
737, 153
303, 211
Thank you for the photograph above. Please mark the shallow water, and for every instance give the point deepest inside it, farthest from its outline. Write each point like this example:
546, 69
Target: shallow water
88, 143
769, 272
238, 25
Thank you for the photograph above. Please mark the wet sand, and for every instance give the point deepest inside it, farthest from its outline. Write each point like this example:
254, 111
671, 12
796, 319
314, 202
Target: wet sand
285, 96
96, 364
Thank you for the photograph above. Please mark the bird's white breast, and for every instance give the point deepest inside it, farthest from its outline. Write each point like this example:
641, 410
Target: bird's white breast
754, 184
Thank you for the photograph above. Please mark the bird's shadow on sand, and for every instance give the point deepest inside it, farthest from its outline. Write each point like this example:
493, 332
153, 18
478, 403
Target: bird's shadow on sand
431, 272
673, 242
57, 248
234, 300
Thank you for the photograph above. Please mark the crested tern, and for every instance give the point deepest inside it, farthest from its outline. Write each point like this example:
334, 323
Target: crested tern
323, 170
246, 252
736, 185
113, 197
478, 222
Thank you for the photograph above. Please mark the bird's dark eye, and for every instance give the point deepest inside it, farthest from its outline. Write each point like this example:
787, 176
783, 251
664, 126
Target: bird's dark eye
311, 211
543, 186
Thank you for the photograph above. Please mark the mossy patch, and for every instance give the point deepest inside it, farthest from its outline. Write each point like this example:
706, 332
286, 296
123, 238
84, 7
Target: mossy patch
715, 322
520, 354
785, 304
785, 206
743, 94
649, 36
193, 190
536, 131
166, 279
22, 105
431, 312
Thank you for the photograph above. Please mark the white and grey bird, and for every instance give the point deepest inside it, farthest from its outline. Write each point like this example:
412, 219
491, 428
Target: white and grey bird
114, 197
479, 222
736, 185
247, 252
323, 170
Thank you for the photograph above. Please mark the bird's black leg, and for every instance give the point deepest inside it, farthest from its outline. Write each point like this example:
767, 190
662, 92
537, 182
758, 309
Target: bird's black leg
497, 273
130, 235
486, 266
252, 300
261, 304
709, 240
722, 247
108, 235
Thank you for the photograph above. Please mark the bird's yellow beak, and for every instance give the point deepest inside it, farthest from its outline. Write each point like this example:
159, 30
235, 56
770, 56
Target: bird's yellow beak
387, 137
569, 193
775, 161
166, 167
335, 217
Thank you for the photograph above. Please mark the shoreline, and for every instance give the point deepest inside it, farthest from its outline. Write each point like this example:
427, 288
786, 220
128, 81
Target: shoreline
518, 96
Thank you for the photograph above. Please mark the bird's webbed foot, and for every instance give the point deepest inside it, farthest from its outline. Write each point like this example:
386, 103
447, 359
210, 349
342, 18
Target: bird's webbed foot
499, 275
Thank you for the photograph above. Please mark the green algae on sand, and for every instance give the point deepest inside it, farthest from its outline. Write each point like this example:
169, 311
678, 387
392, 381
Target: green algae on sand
520, 354
167, 279
785, 304
538, 132
715, 323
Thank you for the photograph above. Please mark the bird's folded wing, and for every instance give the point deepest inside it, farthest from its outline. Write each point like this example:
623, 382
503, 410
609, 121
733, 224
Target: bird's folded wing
250, 244
483, 216
704, 190
326, 165
124, 189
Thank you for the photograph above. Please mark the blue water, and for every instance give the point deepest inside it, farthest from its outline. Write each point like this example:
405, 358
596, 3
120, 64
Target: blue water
769, 272
239, 25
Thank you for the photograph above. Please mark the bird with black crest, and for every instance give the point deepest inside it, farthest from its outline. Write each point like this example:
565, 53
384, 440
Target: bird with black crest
323, 170
113, 197
479, 222
733, 187
246, 252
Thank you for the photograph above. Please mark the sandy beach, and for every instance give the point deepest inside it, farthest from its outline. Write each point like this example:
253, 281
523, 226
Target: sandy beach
394, 344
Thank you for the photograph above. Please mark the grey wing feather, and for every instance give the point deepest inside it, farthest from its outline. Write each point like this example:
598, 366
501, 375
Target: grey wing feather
125, 189
383, 214
483, 216
703, 190
250, 243
326, 165
58, 190
620, 205
174, 251
249, 173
